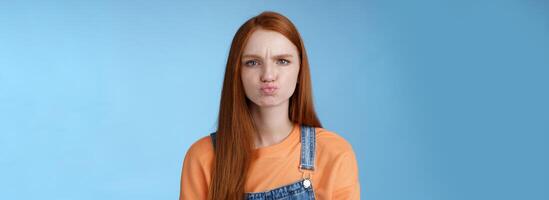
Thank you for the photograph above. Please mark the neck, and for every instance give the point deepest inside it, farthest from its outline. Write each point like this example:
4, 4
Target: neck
273, 124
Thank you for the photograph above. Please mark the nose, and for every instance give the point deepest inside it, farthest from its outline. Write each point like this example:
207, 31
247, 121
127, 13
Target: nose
268, 73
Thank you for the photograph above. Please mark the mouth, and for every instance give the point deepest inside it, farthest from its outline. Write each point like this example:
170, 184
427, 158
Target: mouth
269, 90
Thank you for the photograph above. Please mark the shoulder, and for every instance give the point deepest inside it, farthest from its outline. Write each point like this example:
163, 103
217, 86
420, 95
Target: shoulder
330, 142
337, 158
195, 175
201, 150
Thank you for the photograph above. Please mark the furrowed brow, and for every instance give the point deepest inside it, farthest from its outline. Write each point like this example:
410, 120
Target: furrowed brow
283, 56
251, 56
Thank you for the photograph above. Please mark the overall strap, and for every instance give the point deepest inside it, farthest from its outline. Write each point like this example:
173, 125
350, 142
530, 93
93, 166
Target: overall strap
308, 142
212, 135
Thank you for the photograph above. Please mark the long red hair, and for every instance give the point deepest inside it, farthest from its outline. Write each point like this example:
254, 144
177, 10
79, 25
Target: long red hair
236, 131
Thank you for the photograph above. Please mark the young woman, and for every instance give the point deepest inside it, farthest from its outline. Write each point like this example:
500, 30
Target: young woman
269, 143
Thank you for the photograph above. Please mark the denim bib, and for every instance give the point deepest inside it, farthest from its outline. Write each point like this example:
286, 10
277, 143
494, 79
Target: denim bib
301, 189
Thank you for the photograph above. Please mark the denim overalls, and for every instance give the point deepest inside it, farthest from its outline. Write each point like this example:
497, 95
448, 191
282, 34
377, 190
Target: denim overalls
302, 189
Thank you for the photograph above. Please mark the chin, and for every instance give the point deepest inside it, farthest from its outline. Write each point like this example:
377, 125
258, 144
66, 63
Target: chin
268, 102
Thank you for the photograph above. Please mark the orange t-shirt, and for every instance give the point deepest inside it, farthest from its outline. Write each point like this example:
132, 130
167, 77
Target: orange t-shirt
335, 175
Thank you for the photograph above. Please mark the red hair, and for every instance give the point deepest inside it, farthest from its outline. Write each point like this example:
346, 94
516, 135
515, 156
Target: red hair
236, 131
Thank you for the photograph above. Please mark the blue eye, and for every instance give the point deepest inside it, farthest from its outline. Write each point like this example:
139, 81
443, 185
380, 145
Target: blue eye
283, 61
251, 63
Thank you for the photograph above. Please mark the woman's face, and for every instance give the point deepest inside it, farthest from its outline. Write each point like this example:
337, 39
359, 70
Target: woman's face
270, 66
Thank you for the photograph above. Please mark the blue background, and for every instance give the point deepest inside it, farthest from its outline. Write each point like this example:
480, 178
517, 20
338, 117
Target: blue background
440, 99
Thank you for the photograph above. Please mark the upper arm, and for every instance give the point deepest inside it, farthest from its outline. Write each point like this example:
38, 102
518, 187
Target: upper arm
195, 173
347, 183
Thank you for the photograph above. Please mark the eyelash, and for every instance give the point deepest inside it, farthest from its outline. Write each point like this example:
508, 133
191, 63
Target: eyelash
287, 61
249, 62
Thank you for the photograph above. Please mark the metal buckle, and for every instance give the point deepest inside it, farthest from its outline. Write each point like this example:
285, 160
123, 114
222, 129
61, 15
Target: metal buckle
307, 174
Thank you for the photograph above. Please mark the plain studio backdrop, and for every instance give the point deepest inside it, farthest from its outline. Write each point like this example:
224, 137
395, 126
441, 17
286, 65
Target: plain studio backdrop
440, 99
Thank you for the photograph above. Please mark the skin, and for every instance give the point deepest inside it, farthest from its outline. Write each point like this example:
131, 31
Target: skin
270, 59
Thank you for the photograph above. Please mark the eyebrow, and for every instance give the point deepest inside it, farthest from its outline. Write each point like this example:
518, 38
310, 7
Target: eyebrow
276, 56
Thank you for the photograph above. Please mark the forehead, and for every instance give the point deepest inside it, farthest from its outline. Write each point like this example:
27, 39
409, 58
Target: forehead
265, 41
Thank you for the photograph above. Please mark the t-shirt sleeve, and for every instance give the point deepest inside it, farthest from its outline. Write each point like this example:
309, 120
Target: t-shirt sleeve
194, 183
347, 184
